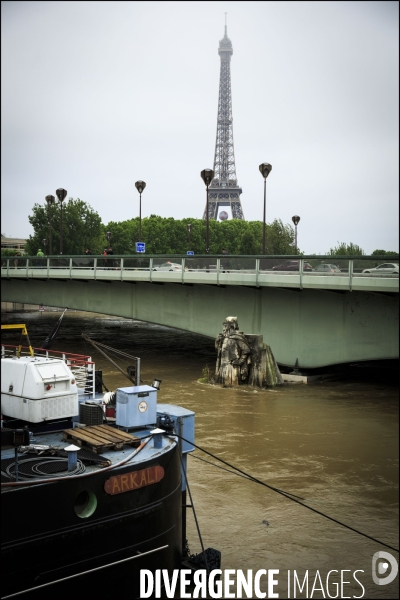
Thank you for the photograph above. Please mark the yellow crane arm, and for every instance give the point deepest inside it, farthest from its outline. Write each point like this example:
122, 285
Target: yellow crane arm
23, 332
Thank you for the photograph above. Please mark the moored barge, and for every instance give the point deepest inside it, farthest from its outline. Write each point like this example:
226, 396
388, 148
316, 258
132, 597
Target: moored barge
87, 501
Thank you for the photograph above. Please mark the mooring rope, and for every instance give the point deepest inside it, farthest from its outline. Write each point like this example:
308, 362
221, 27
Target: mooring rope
248, 477
194, 512
289, 497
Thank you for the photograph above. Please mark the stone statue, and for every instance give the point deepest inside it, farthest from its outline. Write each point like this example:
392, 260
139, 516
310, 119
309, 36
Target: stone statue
244, 358
233, 358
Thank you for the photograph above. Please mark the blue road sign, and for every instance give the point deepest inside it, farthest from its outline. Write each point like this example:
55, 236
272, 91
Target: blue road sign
190, 253
140, 247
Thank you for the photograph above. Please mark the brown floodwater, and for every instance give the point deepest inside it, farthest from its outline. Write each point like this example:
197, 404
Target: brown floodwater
332, 443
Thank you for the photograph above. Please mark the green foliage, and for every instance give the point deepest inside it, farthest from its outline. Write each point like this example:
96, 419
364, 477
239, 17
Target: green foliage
170, 236
385, 253
206, 375
280, 238
7, 252
343, 249
82, 228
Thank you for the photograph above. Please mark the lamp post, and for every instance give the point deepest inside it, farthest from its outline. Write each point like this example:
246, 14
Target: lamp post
140, 185
189, 230
265, 170
71, 238
207, 176
108, 236
296, 220
44, 242
61, 193
50, 201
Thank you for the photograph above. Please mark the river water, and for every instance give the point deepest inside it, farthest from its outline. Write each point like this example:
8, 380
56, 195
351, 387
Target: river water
332, 443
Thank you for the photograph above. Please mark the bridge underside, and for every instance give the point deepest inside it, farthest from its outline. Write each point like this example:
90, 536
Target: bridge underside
315, 327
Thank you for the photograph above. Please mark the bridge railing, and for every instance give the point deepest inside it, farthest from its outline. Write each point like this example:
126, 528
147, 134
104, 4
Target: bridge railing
200, 262
223, 269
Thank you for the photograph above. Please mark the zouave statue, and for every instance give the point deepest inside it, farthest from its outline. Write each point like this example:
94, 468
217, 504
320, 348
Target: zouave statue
233, 354
243, 359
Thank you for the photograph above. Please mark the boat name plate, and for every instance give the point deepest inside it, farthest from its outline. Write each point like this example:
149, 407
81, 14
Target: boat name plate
133, 480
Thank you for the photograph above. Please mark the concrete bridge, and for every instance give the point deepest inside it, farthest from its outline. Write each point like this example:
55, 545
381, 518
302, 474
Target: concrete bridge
317, 319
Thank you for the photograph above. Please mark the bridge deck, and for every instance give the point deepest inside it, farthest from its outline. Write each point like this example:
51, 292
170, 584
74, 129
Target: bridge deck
337, 281
148, 270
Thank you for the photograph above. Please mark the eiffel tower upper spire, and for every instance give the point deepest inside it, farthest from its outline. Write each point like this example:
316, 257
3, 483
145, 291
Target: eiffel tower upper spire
224, 189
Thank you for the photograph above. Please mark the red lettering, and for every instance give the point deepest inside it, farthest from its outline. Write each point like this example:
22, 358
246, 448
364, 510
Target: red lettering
159, 473
133, 480
133, 483
151, 479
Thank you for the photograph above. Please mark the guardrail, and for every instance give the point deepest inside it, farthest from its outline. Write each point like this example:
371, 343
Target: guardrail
280, 271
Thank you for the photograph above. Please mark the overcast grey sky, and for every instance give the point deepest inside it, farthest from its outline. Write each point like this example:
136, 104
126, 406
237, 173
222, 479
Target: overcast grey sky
96, 95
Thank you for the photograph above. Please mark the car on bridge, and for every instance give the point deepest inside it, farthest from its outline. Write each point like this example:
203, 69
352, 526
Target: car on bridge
327, 268
384, 269
168, 266
292, 265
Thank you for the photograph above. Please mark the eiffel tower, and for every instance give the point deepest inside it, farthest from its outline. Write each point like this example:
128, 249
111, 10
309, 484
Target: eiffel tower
224, 189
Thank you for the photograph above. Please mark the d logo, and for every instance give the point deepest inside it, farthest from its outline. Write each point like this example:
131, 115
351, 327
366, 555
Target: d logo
382, 567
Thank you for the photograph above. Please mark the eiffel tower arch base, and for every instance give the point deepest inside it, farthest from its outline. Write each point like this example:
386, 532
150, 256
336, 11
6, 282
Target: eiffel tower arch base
218, 199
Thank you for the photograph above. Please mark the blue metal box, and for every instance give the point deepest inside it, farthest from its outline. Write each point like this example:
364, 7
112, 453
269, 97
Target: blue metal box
136, 406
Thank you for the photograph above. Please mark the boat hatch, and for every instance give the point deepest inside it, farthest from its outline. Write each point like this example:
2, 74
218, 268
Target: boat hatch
53, 371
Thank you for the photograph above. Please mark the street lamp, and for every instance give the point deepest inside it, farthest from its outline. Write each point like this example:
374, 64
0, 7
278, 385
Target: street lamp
50, 201
61, 193
189, 230
140, 185
296, 220
207, 176
108, 236
265, 170
71, 238
44, 242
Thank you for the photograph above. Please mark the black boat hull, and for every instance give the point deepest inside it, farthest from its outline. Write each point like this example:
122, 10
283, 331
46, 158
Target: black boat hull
45, 540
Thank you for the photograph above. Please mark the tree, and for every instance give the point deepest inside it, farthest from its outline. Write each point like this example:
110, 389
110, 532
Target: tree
385, 253
280, 238
170, 236
82, 228
249, 244
343, 249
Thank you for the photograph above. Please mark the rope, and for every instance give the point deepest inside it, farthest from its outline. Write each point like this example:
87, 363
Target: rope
285, 494
194, 513
36, 472
248, 477
115, 351
49, 479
